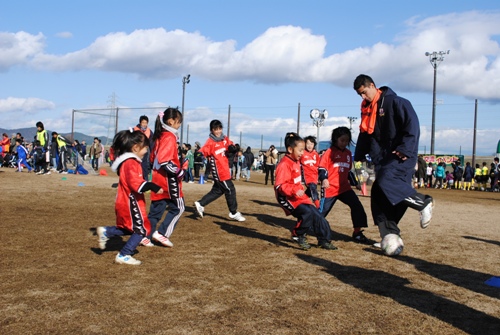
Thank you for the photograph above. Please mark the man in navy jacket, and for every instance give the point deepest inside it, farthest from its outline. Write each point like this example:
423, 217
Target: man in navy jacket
389, 134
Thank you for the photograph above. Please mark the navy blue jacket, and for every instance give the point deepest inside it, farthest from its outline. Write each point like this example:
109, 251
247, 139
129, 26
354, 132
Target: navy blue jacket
396, 129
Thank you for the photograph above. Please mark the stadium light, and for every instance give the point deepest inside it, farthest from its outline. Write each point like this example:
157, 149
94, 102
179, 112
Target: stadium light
351, 121
319, 118
185, 81
435, 58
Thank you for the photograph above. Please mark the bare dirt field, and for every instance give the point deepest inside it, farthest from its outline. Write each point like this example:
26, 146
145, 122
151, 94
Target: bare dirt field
228, 277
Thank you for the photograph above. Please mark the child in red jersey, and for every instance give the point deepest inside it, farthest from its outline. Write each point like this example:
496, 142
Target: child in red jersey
294, 201
214, 150
336, 179
310, 164
168, 173
129, 147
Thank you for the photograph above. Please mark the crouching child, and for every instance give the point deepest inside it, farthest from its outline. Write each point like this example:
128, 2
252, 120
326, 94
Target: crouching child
292, 198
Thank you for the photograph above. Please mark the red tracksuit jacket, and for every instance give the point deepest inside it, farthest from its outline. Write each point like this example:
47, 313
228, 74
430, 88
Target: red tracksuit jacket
215, 152
288, 182
310, 164
165, 153
130, 205
337, 164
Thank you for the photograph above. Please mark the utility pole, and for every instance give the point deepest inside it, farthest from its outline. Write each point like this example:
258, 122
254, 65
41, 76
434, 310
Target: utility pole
185, 80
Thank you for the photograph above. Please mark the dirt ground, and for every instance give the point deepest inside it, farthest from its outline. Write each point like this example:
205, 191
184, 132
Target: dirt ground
228, 277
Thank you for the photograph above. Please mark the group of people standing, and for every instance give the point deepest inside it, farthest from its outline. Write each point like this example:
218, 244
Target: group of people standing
459, 178
49, 152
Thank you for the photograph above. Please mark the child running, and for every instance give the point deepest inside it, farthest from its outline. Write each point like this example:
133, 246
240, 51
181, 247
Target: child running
214, 150
168, 173
130, 207
336, 179
294, 201
22, 154
310, 164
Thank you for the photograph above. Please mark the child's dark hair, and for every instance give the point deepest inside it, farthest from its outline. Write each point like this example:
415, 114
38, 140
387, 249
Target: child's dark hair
311, 139
215, 124
339, 132
39, 124
143, 117
291, 140
18, 140
126, 139
162, 119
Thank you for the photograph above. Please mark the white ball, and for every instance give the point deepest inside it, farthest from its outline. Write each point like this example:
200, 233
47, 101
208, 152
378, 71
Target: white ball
392, 244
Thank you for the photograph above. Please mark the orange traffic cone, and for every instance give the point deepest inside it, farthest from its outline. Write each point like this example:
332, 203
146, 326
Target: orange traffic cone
363, 189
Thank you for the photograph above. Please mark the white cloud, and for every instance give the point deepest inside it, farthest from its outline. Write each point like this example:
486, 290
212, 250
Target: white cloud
292, 54
18, 48
32, 105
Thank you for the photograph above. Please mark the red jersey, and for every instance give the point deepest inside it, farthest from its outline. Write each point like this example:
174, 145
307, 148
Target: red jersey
310, 164
288, 183
215, 152
335, 165
130, 205
166, 164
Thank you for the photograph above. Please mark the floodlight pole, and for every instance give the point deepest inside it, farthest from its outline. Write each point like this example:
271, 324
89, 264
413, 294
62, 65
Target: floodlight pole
185, 80
318, 117
351, 121
435, 58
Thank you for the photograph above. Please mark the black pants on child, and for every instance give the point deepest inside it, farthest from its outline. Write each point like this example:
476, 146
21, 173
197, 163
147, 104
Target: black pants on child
220, 188
309, 220
358, 215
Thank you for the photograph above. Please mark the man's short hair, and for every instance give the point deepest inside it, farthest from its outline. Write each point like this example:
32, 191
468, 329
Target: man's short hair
362, 80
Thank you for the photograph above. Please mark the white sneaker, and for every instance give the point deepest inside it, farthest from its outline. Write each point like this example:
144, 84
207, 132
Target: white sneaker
101, 235
162, 239
190, 182
237, 216
127, 259
199, 208
426, 214
146, 242
377, 245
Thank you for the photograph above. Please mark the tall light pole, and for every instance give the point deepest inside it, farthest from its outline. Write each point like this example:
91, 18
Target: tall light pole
319, 118
185, 81
435, 58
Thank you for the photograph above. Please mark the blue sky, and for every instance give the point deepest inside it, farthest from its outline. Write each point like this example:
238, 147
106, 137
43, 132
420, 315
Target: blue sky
262, 58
